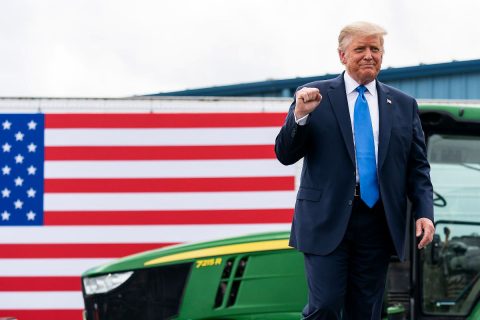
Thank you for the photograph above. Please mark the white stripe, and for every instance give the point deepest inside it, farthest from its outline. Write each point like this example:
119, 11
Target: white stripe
168, 201
129, 234
160, 137
145, 105
47, 267
47, 300
167, 169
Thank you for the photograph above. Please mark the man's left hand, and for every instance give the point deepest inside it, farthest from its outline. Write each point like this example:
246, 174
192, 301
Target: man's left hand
425, 225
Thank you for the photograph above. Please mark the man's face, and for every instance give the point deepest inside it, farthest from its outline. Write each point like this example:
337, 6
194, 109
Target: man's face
363, 58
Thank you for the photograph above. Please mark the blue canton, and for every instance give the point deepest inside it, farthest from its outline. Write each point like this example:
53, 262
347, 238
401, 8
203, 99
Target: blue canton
21, 169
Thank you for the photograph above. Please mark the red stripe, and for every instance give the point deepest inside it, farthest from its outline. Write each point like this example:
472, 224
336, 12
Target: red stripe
60, 218
160, 152
43, 314
164, 120
74, 250
170, 184
40, 284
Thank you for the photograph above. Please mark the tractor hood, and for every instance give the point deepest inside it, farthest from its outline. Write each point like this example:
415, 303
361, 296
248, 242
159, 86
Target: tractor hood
189, 252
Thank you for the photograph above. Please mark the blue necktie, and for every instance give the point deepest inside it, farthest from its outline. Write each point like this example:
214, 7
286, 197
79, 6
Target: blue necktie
365, 150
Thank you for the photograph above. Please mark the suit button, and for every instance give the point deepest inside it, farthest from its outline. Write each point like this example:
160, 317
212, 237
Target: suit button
350, 202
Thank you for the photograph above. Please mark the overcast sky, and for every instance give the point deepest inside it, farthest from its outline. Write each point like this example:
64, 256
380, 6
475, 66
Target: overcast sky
95, 48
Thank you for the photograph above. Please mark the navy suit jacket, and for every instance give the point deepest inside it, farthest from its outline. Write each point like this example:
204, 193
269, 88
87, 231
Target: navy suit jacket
327, 185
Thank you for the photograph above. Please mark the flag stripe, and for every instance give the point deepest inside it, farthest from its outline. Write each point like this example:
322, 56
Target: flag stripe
125, 234
179, 217
74, 250
74, 314
159, 152
169, 185
160, 137
41, 300
40, 284
35, 267
164, 120
168, 201
166, 169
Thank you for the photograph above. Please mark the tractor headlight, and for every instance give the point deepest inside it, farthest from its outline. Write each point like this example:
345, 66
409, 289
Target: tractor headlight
105, 283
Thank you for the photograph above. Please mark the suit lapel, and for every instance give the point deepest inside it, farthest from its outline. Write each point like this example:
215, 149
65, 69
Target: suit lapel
338, 101
385, 109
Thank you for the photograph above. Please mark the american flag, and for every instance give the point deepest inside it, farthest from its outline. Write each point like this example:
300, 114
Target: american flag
80, 189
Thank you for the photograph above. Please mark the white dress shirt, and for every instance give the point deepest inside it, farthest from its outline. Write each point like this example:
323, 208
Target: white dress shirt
372, 100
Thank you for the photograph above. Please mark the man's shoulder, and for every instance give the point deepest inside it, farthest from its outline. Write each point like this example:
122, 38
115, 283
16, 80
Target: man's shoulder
394, 91
321, 84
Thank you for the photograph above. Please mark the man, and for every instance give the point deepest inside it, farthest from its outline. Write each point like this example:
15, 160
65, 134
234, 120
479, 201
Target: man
364, 154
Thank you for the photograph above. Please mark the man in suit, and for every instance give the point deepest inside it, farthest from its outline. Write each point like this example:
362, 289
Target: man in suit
363, 153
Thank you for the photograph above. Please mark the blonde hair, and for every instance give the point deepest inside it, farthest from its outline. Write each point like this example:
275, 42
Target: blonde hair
359, 28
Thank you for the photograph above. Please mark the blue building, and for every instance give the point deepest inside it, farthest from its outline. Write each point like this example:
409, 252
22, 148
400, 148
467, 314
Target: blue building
452, 80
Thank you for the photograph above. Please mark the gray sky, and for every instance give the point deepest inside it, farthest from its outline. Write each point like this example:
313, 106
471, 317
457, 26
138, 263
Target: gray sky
119, 48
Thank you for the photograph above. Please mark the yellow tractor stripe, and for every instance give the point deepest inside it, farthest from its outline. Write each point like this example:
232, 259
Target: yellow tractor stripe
223, 250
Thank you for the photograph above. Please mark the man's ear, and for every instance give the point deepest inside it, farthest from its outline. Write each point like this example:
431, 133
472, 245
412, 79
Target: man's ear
341, 55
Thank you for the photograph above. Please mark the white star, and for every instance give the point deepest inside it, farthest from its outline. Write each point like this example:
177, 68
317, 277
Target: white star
6, 125
18, 204
19, 136
18, 182
32, 125
19, 158
6, 170
5, 193
31, 147
5, 215
31, 193
31, 215
6, 147
31, 170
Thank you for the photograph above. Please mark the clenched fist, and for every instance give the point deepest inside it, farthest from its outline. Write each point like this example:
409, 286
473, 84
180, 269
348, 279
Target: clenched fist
307, 100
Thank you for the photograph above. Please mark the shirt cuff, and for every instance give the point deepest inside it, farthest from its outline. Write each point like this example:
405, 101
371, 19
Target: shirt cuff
302, 121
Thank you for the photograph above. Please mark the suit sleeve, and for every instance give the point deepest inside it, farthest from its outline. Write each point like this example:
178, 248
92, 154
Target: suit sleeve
419, 186
291, 142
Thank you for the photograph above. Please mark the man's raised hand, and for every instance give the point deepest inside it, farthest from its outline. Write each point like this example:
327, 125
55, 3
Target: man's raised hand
307, 100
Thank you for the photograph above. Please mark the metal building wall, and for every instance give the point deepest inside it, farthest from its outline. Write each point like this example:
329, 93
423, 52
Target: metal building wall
451, 80
458, 86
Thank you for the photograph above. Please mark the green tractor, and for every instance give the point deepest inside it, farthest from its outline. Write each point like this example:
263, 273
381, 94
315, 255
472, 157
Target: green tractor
260, 277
